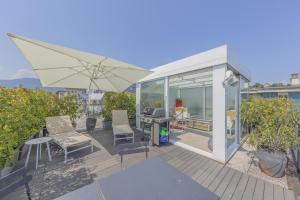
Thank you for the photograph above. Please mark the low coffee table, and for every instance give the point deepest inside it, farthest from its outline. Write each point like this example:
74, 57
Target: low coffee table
38, 142
152, 179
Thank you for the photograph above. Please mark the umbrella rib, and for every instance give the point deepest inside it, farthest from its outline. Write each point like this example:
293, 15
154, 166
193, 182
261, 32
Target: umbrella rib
121, 78
129, 68
114, 86
65, 77
81, 72
38, 69
86, 76
103, 73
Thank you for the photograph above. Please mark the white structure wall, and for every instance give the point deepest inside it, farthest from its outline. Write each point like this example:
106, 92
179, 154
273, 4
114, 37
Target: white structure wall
216, 61
219, 115
138, 106
166, 96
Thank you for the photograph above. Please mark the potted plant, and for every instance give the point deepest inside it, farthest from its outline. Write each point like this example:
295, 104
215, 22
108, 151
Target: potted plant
91, 121
178, 102
272, 125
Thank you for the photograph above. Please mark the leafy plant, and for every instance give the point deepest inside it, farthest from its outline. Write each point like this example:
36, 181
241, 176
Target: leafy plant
272, 123
69, 105
118, 101
22, 115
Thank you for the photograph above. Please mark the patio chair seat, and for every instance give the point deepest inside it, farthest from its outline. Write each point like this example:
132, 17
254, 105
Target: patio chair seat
122, 130
70, 139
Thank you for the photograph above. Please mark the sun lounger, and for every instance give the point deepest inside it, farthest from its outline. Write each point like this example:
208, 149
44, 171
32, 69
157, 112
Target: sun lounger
60, 129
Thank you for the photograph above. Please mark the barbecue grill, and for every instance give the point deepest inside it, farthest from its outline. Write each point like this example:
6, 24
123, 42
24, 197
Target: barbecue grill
153, 119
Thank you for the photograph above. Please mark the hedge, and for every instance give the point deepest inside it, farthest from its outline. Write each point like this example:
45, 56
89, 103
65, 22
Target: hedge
22, 115
118, 101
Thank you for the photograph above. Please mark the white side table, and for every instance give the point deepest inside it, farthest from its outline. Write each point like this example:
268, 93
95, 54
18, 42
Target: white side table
38, 142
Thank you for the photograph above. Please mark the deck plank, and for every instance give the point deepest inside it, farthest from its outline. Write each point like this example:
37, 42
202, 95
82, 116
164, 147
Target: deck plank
232, 186
196, 167
289, 195
213, 175
259, 190
278, 193
193, 167
224, 184
238, 193
249, 191
202, 170
207, 173
187, 163
269, 191
214, 185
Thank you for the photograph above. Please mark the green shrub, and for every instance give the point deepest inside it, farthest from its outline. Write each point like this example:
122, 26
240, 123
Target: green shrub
272, 123
22, 115
118, 101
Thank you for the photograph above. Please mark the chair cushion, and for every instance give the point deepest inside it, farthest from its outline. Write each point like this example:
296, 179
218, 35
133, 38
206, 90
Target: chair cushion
58, 125
69, 139
119, 117
122, 130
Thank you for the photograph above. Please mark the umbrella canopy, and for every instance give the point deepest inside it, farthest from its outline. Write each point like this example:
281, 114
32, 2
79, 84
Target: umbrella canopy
58, 66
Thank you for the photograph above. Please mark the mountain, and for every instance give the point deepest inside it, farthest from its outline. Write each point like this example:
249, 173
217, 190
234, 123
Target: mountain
26, 83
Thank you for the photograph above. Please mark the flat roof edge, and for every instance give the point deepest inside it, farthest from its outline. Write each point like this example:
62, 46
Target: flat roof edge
210, 58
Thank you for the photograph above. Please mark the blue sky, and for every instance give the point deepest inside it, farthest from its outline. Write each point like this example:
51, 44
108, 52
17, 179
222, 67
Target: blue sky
264, 35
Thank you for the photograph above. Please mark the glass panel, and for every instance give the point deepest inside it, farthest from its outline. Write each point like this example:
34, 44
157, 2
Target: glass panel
152, 94
231, 114
193, 100
244, 85
190, 107
208, 103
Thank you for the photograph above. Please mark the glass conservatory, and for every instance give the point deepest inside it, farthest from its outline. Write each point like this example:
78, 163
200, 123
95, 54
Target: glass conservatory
201, 98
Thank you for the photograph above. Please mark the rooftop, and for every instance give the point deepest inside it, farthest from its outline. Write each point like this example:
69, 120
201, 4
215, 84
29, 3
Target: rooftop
53, 179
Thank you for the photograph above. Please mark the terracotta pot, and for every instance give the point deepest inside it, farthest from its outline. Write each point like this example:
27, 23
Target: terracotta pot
272, 163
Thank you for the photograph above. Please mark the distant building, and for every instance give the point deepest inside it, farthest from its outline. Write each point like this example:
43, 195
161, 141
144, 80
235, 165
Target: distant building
295, 80
62, 93
291, 90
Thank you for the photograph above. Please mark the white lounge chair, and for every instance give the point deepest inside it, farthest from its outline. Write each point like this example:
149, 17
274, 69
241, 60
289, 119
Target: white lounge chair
121, 127
60, 129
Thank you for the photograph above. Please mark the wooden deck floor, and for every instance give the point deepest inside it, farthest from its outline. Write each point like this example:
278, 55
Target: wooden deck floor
53, 179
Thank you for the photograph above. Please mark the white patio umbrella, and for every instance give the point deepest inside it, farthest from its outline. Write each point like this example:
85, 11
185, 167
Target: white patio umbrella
58, 66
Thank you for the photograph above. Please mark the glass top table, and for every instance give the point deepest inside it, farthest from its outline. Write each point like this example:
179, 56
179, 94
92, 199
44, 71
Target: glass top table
149, 180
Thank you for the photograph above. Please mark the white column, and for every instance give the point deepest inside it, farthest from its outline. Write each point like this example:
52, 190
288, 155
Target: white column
239, 100
138, 104
166, 96
219, 113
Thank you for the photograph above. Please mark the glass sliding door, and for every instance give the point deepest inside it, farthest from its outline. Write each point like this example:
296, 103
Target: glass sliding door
190, 108
193, 100
232, 114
